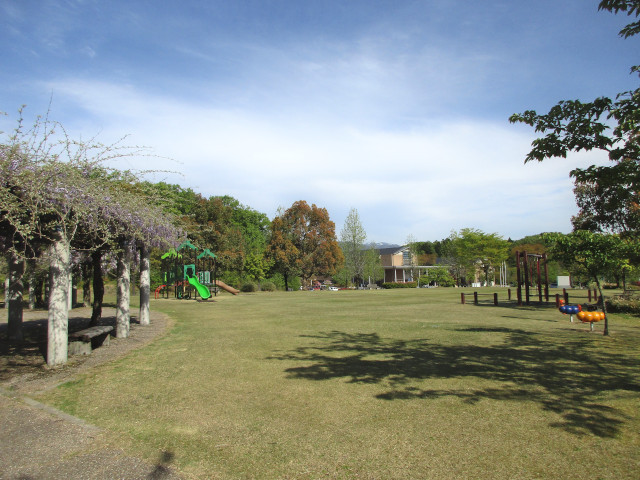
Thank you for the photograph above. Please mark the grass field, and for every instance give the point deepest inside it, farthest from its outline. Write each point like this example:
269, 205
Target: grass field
399, 384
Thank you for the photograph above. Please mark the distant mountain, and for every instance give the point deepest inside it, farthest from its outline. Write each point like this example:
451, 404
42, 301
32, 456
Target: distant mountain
380, 245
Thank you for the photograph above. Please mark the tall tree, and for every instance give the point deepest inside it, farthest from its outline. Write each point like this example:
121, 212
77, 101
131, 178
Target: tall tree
352, 238
373, 269
253, 225
414, 251
282, 252
303, 242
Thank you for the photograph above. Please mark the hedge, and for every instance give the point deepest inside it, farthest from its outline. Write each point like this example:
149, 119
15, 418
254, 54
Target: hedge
622, 305
400, 285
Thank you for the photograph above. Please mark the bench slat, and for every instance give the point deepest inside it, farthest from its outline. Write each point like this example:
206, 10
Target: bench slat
91, 332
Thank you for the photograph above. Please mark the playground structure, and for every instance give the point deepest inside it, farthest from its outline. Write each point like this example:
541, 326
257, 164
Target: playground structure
587, 315
529, 268
531, 272
560, 299
190, 274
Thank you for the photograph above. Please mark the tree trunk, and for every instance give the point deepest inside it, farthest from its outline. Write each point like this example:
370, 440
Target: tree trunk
14, 299
286, 282
86, 283
32, 295
38, 290
123, 293
71, 294
145, 285
98, 288
6, 292
604, 306
58, 326
32, 284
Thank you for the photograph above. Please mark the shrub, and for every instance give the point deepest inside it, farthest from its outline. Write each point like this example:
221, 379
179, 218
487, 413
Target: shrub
249, 287
624, 305
268, 287
399, 285
278, 280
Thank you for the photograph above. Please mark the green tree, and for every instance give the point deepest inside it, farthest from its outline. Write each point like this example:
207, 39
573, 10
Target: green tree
440, 276
253, 225
373, 269
414, 251
352, 238
255, 266
608, 197
426, 253
596, 254
475, 250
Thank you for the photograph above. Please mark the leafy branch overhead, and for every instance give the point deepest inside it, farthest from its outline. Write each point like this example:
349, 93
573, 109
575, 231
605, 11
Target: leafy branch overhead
608, 196
630, 7
607, 226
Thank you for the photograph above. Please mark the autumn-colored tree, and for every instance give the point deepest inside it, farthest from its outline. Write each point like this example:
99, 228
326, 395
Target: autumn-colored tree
282, 252
303, 243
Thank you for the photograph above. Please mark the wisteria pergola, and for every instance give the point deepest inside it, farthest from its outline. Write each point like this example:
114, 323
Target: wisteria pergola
55, 194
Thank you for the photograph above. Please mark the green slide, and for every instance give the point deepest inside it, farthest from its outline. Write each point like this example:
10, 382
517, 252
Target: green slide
202, 290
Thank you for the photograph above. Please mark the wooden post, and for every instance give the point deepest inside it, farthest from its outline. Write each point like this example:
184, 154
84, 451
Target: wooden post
557, 300
526, 277
519, 277
475, 298
509, 293
462, 298
539, 273
495, 298
546, 277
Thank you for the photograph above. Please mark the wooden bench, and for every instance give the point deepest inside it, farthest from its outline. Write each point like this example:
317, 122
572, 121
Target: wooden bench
84, 341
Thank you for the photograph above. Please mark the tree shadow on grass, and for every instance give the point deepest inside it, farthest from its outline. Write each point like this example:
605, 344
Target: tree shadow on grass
566, 377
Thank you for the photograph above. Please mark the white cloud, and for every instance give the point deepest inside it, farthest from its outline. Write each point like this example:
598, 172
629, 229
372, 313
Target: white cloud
423, 182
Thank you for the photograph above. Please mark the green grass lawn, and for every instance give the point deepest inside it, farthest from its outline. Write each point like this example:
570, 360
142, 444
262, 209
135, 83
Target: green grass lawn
373, 384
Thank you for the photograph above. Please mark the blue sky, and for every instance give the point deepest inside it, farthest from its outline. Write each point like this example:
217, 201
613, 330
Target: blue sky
396, 108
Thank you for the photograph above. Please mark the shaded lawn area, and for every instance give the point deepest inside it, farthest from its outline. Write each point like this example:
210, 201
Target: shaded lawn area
373, 384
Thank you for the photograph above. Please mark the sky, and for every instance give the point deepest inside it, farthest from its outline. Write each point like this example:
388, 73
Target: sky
396, 108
